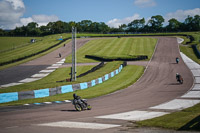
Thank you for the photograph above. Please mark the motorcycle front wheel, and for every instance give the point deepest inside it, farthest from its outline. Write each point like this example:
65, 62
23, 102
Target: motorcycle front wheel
78, 107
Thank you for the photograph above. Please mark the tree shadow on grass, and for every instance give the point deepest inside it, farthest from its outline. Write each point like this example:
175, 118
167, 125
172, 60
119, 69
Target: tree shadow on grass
192, 125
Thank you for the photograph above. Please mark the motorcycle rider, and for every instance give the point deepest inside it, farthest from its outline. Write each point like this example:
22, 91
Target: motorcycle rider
177, 60
178, 77
79, 100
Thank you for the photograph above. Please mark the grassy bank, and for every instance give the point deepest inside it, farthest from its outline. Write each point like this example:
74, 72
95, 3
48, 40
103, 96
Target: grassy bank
132, 74
116, 47
11, 43
187, 119
187, 49
29, 52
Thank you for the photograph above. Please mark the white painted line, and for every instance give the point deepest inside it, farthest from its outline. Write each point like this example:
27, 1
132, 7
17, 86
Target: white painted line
192, 94
196, 72
134, 115
48, 102
180, 40
196, 87
47, 71
67, 101
56, 64
84, 125
197, 80
29, 80
60, 62
186, 59
177, 104
193, 65
26, 104
63, 60
11, 84
53, 67
39, 75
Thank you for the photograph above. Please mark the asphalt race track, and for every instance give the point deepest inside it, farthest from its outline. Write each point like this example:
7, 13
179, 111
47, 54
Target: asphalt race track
157, 85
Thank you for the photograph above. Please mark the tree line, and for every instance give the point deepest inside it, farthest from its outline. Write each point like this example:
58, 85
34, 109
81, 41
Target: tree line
155, 24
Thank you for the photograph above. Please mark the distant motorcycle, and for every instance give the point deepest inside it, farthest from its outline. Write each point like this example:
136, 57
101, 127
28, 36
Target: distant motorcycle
180, 80
81, 105
177, 60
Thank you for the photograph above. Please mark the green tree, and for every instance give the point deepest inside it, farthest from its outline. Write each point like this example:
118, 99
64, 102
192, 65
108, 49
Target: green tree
196, 23
155, 23
136, 25
85, 25
174, 25
2, 32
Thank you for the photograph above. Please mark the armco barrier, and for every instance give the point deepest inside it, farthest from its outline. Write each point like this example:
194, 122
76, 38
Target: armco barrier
15, 96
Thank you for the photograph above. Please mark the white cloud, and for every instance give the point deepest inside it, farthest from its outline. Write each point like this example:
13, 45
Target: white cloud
17, 4
39, 19
11, 15
145, 3
10, 12
117, 22
181, 15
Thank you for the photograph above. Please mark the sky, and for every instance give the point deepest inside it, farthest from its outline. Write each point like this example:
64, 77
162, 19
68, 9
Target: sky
16, 13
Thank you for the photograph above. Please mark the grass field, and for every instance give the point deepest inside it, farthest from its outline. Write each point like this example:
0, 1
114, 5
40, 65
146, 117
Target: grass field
27, 50
187, 119
116, 47
10, 43
187, 49
132, 74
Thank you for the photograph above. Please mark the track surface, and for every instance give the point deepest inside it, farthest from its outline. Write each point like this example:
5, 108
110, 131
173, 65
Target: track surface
156, 86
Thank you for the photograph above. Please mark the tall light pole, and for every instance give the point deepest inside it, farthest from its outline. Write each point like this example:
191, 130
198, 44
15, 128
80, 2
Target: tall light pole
73, 69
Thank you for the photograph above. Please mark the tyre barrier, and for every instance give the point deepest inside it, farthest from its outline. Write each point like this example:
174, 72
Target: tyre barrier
135, 58
15, 96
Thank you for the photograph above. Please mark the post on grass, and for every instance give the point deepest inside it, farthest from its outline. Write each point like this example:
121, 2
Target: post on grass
73, 70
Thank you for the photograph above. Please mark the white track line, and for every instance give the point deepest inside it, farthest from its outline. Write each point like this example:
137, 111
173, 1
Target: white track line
68, 124
39, 75
177, 104
134, 115
29, 80
196, 87
11, 84
192, 94
47, 71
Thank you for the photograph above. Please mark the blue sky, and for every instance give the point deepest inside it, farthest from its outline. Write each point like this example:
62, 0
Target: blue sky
112, 12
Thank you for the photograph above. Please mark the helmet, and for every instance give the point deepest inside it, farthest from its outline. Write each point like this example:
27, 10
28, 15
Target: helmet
177, 74
74, 95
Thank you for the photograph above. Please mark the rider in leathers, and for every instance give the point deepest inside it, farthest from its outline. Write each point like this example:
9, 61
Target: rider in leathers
178, 77
79, 100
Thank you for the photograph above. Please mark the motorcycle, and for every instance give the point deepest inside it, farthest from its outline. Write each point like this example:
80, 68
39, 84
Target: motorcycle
81, 105
180, 80
177, 60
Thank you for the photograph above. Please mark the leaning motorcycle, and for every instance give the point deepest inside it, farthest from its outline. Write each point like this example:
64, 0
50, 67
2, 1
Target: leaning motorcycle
80, 106
180, 80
